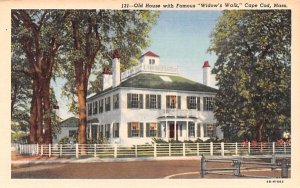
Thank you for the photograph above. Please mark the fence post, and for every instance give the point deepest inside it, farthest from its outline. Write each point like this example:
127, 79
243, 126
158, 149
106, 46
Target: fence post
60, 150
284, 169
49, 150
203, 166
236, 148
135, 149
222, 149
284, 147
183, 149
42, 150
37, 149
115, 151
261, 147
155, 150
273, 147
95, 150
273, 164
169, 149
211, 148
249, 146
77, 152
197, 148
237, 167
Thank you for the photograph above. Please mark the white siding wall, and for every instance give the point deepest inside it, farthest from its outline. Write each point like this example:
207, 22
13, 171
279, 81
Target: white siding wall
145, 60
124, 115
64, 133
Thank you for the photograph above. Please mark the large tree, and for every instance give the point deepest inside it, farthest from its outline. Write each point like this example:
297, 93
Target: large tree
253, 72
38, 34
95, 34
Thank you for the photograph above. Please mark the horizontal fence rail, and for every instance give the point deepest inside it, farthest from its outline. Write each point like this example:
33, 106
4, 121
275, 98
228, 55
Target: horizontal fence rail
153, 150
239, 166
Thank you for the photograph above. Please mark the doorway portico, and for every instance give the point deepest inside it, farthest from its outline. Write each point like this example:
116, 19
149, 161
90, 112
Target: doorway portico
178, 129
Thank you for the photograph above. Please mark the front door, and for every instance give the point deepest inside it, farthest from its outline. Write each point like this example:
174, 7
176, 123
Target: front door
171, 130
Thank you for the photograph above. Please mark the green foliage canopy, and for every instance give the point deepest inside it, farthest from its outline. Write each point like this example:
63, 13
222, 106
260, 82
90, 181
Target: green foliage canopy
253, 71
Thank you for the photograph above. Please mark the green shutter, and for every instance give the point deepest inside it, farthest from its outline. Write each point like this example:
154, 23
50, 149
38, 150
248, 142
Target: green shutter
205, 130
168, 102
141, 101
158, 102
188, 102
147, 129
129, 130
178, 102
158, 130
198, 103
198, 130
108, 131
147, 102
128, 100
141, 130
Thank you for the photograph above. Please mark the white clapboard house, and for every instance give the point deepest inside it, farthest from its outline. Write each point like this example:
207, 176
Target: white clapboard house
151, 100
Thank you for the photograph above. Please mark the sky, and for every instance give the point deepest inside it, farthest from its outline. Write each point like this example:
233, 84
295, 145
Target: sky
180, 38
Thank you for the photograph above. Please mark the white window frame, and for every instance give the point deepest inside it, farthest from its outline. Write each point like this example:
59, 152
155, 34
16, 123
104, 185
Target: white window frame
191, 129
208, 103
193, 102
153, 101
153, 129
135, 129
116, 129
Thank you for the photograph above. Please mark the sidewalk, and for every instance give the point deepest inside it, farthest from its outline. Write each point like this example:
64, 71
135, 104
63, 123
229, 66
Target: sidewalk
19, 160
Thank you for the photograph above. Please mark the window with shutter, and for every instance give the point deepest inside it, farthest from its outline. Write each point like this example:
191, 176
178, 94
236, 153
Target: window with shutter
116, 130
198, 103
116, 101
208, 103
135, 129
191, 130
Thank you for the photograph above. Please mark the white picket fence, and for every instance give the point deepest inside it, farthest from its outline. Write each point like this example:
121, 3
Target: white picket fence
153, 150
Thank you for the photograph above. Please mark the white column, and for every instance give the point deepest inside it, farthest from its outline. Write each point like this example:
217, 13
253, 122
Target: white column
97, 131
187, 130
167, 130
77, 151
90, 132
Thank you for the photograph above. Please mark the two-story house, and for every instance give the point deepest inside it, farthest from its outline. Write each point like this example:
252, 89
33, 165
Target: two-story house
151, 100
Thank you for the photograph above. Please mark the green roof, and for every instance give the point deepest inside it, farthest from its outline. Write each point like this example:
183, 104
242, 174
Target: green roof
155, 81
70, 122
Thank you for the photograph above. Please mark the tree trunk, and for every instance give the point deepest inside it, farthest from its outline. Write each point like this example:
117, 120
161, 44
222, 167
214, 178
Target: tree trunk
13, 98
39, 109
33, 116
82, 115
47, 112
259, 127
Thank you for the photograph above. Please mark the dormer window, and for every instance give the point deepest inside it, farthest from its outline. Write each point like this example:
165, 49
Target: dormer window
151, 61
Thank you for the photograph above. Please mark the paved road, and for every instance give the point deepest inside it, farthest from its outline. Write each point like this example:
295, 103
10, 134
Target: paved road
110, 170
